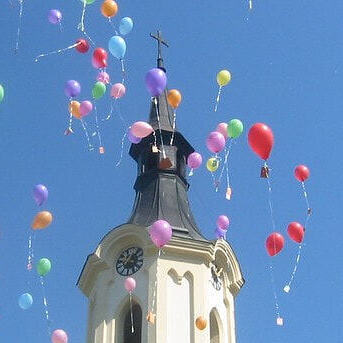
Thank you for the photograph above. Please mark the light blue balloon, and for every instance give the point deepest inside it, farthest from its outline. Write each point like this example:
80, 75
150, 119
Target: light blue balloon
25, 301
117, 47
125, 25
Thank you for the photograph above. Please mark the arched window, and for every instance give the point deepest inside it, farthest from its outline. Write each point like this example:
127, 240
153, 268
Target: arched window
135, 336
214, 328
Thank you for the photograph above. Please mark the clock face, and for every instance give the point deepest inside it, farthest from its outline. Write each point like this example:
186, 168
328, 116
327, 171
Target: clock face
129, 261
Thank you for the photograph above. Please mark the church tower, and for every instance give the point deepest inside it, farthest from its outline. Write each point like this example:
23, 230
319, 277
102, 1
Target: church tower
192, 277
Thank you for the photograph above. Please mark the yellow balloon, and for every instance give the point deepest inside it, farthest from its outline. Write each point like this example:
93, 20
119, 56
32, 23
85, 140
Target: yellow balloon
223, 77
42, 220
74, 109
212, 164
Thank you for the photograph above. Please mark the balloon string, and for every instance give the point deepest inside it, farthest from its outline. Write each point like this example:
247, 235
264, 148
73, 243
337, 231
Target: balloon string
159, 126
110, 114
270, 191
82, 22
57, 51
132, 328
90, 147
155, 138
174, 125
279, 320
98, 129
218, 97
21, 4
287, 287
61, 26
122, 70
120, 114
226, 160
113, 26
250, 5
121, 150
46, 306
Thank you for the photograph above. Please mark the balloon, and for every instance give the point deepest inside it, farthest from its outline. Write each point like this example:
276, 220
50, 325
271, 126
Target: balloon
215, 142
117, 47
274, 243
2, 93
125, 25
212, 164
201, 323
40, 194
174, 98
25, 301
72, 88
109, 8
156, 81
74, 109
296, 232
59, 336
88, 2
54, 16
43, 266
222, 128
261, 140
234, 128
141, 129
130, 284
83, 45
160, 233
118, 90
223, 78
42, 220
103, 77
99, 59
301, 173
85, 108
132, 138
194, 160
220, 233
223, 222
98, 90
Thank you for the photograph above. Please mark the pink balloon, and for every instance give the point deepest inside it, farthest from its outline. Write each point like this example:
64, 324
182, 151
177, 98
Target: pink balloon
215, 142
85, 107
223, 222
194, 160
222, 128
59, 336
103, 77
141, 129
130, 284
118, 90
160, 233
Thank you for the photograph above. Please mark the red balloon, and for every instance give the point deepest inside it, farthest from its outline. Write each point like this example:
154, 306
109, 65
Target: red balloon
296, 232
83, 46
261, 140
274, 243
301, 173
99, 58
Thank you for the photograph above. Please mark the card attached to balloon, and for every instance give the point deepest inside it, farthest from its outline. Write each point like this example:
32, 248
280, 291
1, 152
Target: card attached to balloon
228, 193
151, 318
264, 172
279, 321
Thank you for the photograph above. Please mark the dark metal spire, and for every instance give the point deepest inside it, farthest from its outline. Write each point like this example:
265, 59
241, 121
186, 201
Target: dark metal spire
160, 41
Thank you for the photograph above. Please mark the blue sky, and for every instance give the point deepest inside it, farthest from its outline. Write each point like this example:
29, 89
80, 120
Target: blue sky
286, 63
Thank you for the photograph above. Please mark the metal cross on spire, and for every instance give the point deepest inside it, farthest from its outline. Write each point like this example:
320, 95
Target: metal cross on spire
160, 41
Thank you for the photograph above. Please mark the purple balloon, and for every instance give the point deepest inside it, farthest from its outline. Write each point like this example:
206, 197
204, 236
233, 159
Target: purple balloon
132, 138
223, 222
72, 88
54, 16
160, 233
156, 81
220, 233
215, 142
194, 160
40, 194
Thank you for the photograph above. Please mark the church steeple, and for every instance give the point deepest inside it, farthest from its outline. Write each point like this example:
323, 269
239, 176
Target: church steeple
161, 189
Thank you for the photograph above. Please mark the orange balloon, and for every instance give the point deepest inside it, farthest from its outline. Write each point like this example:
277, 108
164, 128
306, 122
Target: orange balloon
74, 109
201, 323
109, 8
42, 220
174, 98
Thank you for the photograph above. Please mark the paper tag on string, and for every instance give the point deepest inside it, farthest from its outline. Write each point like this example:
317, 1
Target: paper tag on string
279, 321
151, 318
154, 149
101, 150
287, 288
228, 193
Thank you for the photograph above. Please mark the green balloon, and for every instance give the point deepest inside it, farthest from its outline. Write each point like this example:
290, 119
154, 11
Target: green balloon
234, 128
43, 266
2, 93
98, 90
